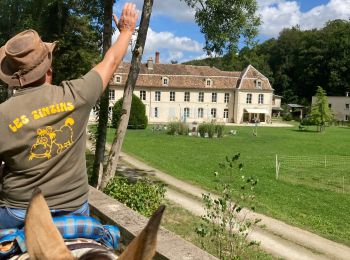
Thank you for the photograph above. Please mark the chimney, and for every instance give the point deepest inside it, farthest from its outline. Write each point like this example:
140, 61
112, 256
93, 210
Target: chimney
150, 63
157, 57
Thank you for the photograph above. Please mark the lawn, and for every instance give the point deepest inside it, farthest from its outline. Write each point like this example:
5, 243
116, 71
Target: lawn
306, 201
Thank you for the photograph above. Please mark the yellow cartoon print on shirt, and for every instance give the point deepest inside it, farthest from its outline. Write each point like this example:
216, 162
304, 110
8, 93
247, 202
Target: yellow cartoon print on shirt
48, 138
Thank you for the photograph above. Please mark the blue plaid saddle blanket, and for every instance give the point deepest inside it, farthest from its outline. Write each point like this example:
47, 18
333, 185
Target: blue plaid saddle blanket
12, 241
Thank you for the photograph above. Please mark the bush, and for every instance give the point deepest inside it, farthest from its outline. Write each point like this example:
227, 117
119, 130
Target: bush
307, 121
138, 118
177, 128
219, 129
287, 117
144, 196
222, 224
211, 129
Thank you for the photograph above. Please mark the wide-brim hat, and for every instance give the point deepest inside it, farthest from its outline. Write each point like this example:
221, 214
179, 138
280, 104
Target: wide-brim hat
25, 58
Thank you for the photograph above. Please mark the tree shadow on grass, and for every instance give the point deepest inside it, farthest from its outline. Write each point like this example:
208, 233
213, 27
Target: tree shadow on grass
304, 131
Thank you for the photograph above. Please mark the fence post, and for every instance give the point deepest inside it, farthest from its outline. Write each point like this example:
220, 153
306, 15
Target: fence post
277, 167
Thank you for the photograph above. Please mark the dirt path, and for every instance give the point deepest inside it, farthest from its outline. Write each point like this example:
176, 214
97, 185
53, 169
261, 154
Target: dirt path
277, 238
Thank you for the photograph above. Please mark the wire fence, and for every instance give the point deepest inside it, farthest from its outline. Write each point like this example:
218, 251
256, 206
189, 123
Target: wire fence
328, 172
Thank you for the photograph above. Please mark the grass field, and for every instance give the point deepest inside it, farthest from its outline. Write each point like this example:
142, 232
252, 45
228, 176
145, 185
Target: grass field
301, 201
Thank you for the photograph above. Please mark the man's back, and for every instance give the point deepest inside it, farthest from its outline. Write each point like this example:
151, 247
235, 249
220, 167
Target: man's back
43, 142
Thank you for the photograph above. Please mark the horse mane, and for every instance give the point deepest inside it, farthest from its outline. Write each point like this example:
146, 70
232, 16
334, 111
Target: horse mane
97, 254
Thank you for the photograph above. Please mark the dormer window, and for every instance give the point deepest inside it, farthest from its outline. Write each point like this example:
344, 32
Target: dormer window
208, 82
165, 81
258, 84
117, 79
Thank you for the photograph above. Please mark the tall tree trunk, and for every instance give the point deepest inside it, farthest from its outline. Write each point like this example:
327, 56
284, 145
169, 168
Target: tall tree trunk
104, 100
128, 90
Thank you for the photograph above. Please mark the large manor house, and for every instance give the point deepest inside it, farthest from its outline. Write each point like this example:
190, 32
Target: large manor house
177, 92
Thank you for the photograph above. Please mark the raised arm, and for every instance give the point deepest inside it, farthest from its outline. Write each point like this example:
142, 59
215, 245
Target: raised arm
115, 54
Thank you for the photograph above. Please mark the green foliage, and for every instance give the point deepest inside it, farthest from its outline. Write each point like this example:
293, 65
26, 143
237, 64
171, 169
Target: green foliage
321, 57
222, 224
144, 196
224, 22
76, 24
137, 119
287, 117
180, 221
320, 113
211, 129
177, 128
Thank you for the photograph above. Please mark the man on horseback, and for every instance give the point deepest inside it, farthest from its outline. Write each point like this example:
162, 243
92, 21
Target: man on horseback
42, 126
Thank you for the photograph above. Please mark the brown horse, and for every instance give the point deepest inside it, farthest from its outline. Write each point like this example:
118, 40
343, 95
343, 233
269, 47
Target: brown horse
44, 241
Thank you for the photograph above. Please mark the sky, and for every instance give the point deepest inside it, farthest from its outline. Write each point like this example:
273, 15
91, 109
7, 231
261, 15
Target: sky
174, 33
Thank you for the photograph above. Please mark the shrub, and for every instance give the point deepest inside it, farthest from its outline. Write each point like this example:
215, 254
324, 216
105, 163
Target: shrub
144, 196
219, 129
202, 129
177, 128
211, 129
221, 223
287, 117
138, 118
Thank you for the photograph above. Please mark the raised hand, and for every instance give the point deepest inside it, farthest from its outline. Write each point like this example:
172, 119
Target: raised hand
128, 18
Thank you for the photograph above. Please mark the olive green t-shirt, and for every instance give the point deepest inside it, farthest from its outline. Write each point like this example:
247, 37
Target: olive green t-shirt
42, 142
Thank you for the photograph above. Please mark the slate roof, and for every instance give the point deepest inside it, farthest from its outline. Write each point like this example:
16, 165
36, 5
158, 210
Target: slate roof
194, 77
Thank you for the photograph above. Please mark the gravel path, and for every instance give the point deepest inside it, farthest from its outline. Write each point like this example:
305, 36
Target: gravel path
277, 237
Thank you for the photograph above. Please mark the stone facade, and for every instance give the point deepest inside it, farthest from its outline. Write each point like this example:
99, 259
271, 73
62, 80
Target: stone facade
189, 93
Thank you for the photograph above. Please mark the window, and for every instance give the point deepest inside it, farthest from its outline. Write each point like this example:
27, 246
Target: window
208, 82
330, 105
259, 84
187, 97
157, 95
347, 106
249, 99
213, 112
200, 112
261, 99
156, 112
214, 97
165, 81
225, 113
201, 97
111, 94
346, 118
186, 112
172, 96
117, 79
227, 97
142, 94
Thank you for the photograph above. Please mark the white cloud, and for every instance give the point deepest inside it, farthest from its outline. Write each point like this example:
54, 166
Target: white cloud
176, 9
279, 14
172, 47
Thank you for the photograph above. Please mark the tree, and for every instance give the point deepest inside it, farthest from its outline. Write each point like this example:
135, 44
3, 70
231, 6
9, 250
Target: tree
138, 118
320, 112
113, 156
225, 22
73, 23
104, 101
